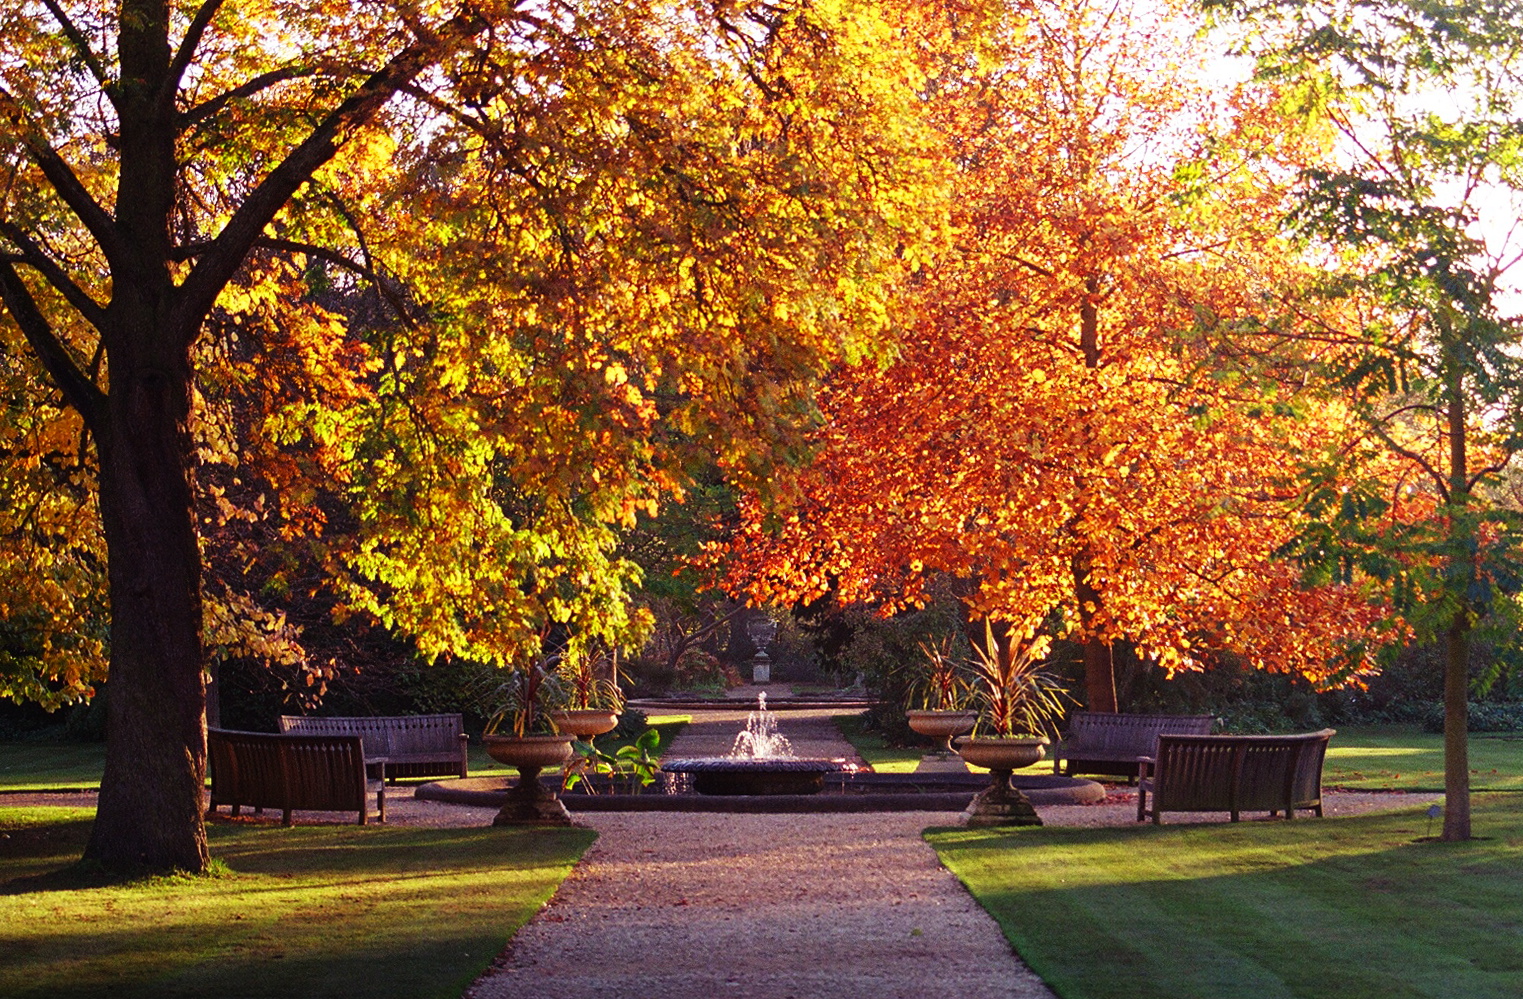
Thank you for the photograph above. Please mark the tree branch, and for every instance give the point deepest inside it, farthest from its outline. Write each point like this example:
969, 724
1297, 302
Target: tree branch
1440, 481
186, 52
82, 393
81, 45
214, 269
33, 256
248, 88
1493, 469
194, 250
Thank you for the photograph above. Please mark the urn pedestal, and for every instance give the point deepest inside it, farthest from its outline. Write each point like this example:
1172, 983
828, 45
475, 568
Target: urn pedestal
530, 803
1001, 803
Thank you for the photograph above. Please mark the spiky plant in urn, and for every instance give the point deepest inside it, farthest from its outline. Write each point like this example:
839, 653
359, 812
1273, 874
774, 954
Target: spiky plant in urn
525, 698
1019, 703
939, 697
593, 698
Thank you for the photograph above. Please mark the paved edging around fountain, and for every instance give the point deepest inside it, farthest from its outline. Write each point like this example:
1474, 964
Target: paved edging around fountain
869, 793
658, 705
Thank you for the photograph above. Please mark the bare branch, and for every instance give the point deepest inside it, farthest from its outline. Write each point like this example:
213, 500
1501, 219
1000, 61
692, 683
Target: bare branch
81, 392
249, 88
187, 51
35, 257
81, 45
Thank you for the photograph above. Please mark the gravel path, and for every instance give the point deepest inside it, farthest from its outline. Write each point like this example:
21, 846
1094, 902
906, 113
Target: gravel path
699, 906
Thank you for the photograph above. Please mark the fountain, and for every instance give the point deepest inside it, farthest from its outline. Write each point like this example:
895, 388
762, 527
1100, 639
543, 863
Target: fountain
760, 739
761, 762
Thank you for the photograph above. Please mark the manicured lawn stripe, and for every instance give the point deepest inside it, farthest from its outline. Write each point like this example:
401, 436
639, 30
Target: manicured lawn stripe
312, 911
1402, 758
1346, 908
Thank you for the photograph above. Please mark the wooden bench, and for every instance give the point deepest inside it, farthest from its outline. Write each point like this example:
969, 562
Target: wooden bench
1233, 774
289, 772
1104, 742
413, 745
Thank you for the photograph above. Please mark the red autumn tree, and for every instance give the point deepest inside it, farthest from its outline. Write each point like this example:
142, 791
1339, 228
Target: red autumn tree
1053, 433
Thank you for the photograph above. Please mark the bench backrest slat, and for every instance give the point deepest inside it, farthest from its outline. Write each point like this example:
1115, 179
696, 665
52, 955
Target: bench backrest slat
1209, 773
387, 735
1104, 732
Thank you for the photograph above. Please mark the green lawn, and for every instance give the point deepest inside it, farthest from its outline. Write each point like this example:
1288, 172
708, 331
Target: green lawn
1345, 908
39, 766
311, 911
53, 766
883, 758
1400, 757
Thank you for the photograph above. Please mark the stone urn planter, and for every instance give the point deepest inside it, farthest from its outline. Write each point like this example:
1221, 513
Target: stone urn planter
942, 725
530, 803
585, 723
1001, 803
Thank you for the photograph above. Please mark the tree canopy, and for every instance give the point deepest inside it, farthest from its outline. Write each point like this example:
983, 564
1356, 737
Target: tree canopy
447, 292
1420, 205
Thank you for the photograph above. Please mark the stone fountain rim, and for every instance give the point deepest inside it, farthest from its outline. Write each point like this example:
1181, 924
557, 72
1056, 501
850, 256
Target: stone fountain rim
752, 764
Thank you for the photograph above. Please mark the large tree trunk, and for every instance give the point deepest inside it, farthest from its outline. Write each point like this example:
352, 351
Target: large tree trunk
151, 799
1456, 729
1099, 665
150, 811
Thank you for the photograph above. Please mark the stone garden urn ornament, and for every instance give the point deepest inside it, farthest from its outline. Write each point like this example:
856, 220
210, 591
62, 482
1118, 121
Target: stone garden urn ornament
585, 723
761, 630
1001, 803
530, 803
941, 725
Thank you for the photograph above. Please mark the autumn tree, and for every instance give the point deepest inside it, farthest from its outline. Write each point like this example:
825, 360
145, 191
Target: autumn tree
1421, 207
1054, 432
594, 239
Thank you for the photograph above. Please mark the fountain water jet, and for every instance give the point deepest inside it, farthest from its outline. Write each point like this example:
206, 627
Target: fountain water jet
761, 762
760, 740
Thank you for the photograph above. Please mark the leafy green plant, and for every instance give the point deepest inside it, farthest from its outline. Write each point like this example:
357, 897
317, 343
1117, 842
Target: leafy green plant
636, 764
1017, 696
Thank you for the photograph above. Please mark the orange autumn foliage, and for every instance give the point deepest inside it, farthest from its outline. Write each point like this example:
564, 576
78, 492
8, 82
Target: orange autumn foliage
1053, 432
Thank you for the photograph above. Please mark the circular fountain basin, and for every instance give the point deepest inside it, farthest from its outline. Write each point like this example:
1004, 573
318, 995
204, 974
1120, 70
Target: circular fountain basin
748, 775
844, 792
